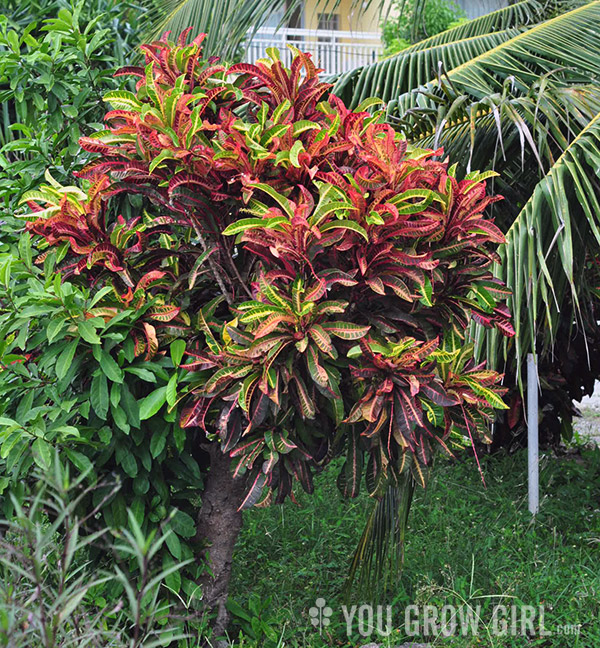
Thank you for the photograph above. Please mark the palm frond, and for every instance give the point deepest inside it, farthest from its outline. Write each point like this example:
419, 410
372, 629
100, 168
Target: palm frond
567, 47
226, 22
380, 552
510, 134
416, 65
551, 241
394, 76
519, 14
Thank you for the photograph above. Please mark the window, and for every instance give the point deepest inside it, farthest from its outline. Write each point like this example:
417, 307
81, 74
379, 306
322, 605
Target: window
329, 21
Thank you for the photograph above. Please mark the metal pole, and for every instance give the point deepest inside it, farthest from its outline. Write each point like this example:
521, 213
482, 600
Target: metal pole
532, 435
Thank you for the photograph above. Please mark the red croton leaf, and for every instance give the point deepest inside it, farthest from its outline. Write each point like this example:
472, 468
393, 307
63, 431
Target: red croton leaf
321, 272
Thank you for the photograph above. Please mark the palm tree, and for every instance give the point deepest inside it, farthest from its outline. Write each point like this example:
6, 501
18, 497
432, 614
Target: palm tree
228, 23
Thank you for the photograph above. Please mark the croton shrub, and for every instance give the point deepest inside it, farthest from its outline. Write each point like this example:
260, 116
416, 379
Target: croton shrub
303, 279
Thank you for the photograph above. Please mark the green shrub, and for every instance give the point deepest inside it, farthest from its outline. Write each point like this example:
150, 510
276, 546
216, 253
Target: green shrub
53, 74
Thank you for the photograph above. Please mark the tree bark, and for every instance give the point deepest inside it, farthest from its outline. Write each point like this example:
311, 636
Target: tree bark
219, 523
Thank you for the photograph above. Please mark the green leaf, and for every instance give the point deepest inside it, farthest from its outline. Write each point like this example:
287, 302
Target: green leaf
120, 418
115, 394
345, 224
177, 350
165, 154
173, 577
54, 328
295, 151
129, 464
99, 395
492, 398
42, 454
130, 406
174, 544
138, 509
150, 405
280, 199
172, 390
198, 263
123, 100
141, 372
183, 524
110, 368
66, 430
65, 359
253, 223
369, 102
4, 482
179, 437
157, 443
79, 460
346, 330
88, 332
426, 292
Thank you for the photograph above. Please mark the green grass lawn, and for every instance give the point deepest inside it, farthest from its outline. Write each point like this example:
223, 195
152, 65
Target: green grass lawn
466, 546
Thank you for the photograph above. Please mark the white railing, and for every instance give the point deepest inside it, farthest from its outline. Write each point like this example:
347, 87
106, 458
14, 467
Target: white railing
334, 51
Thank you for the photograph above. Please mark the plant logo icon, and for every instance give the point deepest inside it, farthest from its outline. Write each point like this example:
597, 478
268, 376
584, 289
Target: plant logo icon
319, 615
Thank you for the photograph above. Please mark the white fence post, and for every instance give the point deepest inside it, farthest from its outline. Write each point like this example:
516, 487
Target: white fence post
532, 435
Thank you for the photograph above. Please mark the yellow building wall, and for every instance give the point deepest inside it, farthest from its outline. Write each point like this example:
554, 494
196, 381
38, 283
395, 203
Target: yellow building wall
351, 17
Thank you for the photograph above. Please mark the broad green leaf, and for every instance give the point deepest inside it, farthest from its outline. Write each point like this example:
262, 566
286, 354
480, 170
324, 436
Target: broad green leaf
54, 328
88, 332
177, 349
79, 460
110, 368
120, 418
129, 464
138, 509
157, 443
172, 390
174, 544
141, 372
183, 524
65, 359
42, 453
130, 406
99, 395
150, 405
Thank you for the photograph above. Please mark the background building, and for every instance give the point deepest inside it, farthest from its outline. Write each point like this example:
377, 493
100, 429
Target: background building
340, 37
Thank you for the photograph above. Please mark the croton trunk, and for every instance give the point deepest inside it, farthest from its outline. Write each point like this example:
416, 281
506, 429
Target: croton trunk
219, 524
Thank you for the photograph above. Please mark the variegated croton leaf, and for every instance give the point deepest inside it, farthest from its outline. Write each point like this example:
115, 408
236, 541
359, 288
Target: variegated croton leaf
322, 273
